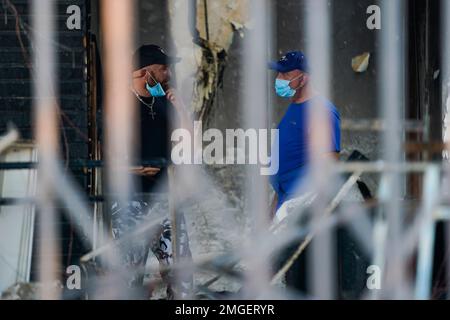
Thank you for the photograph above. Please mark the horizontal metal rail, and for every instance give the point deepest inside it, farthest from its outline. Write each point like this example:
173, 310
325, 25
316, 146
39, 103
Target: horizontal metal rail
81, 164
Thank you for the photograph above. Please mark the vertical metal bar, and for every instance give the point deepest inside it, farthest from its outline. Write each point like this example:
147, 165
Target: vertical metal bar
321, 261
391, 98
118, 42
379, 235
445, 32
180, 27
173, 210
46, 133
424, 273
117, 27
180, 30
255, 108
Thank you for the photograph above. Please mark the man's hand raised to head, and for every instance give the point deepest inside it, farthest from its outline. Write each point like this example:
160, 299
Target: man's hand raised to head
185, 119
174, 98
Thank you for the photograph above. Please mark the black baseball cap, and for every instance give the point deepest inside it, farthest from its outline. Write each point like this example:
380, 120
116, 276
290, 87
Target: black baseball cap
149, 54
290, 61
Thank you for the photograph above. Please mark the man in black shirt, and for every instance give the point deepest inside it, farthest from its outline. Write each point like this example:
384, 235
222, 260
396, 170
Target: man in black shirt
157, 105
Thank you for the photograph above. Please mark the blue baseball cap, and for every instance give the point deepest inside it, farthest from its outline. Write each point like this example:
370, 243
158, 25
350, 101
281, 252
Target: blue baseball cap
290, 61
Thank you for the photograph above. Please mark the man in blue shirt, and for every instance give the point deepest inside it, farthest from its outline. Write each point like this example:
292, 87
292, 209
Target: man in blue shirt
293, 83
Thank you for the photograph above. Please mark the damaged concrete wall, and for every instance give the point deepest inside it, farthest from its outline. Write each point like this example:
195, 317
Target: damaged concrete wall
204, 46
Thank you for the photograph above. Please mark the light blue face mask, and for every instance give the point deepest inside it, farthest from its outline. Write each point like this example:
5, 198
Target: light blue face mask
157, 90
283, 89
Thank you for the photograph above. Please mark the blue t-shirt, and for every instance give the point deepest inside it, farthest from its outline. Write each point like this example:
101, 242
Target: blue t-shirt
294, 143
